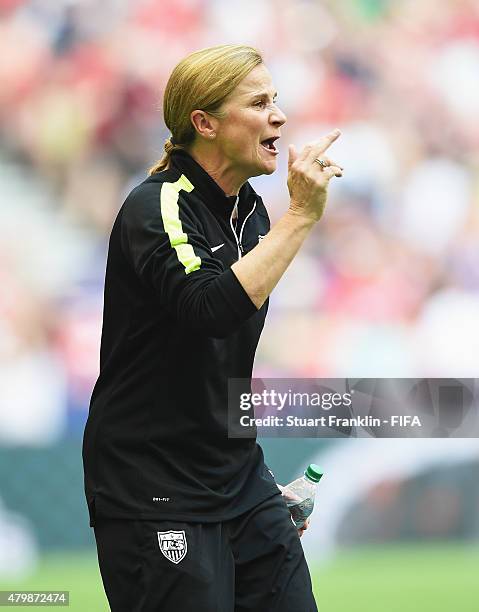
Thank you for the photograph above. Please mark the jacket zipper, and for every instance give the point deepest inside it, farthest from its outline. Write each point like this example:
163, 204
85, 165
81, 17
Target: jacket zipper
239, 246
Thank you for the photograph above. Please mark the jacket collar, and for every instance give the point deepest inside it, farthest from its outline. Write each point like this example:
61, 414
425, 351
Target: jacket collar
211, 193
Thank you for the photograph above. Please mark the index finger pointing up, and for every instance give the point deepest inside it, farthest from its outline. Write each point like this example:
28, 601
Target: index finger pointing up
321, 145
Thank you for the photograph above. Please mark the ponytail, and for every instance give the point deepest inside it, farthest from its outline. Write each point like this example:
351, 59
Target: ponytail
162, 164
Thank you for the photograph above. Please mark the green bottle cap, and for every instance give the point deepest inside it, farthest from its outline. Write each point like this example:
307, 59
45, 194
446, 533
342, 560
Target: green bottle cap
313, 472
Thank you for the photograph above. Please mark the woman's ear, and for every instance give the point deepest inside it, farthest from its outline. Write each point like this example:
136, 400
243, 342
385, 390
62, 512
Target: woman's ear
204, 124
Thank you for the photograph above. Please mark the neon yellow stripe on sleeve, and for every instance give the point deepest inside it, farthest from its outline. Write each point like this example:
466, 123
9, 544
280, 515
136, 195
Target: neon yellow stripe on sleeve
170, 213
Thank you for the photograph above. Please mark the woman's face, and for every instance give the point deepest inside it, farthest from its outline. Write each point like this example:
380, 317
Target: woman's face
252, 118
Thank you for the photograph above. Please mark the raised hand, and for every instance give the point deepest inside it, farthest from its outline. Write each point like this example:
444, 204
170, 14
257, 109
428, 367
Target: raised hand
309, 173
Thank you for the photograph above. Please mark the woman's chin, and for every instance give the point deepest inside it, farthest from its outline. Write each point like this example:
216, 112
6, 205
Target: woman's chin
270, 163
262, 165
270, 166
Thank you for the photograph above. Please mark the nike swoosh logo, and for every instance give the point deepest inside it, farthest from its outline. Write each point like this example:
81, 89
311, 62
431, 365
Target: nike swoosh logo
213, 249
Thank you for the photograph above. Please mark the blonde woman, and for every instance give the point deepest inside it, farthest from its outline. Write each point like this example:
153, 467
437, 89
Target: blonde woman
186, 518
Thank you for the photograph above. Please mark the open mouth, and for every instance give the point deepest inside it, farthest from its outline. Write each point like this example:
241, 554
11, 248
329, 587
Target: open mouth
268, 144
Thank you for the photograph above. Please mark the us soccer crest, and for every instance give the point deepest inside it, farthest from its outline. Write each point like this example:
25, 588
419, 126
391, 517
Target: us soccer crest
173, 545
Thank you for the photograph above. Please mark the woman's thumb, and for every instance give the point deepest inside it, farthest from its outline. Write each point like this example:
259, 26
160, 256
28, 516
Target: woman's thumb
292, 155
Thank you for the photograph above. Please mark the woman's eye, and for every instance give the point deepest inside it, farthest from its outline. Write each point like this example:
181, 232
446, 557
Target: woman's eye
262, 103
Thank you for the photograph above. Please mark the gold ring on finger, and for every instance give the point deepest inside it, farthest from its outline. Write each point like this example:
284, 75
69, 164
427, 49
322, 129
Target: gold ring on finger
321, 162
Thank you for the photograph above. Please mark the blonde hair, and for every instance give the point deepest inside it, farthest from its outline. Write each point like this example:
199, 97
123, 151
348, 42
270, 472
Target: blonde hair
202, 80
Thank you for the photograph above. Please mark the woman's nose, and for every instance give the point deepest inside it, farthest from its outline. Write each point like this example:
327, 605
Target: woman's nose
278, 117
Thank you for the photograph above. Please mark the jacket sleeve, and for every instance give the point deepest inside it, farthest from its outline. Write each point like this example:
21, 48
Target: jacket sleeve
168, 251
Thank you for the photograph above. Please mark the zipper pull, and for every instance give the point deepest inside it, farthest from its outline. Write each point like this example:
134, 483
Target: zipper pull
241, 248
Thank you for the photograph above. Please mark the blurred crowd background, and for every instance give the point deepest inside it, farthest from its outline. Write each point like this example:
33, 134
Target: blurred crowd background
388, 284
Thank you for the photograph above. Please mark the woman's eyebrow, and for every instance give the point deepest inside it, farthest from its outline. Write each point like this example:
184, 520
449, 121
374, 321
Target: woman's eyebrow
263, 94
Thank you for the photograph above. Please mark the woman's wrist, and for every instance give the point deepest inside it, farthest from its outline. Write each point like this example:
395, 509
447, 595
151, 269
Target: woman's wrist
301, 220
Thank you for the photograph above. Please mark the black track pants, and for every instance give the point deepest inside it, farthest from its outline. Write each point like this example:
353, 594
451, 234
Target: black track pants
254, 562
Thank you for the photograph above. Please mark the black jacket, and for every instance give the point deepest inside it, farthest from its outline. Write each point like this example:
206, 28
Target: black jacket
177, 324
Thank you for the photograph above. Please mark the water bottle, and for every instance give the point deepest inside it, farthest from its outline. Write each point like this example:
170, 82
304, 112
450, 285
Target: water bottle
299, 494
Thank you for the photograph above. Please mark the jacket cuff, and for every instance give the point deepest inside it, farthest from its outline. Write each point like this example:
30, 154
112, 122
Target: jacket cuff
237, 298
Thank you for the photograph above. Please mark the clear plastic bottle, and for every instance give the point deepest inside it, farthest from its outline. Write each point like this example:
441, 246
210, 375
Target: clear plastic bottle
299, 494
